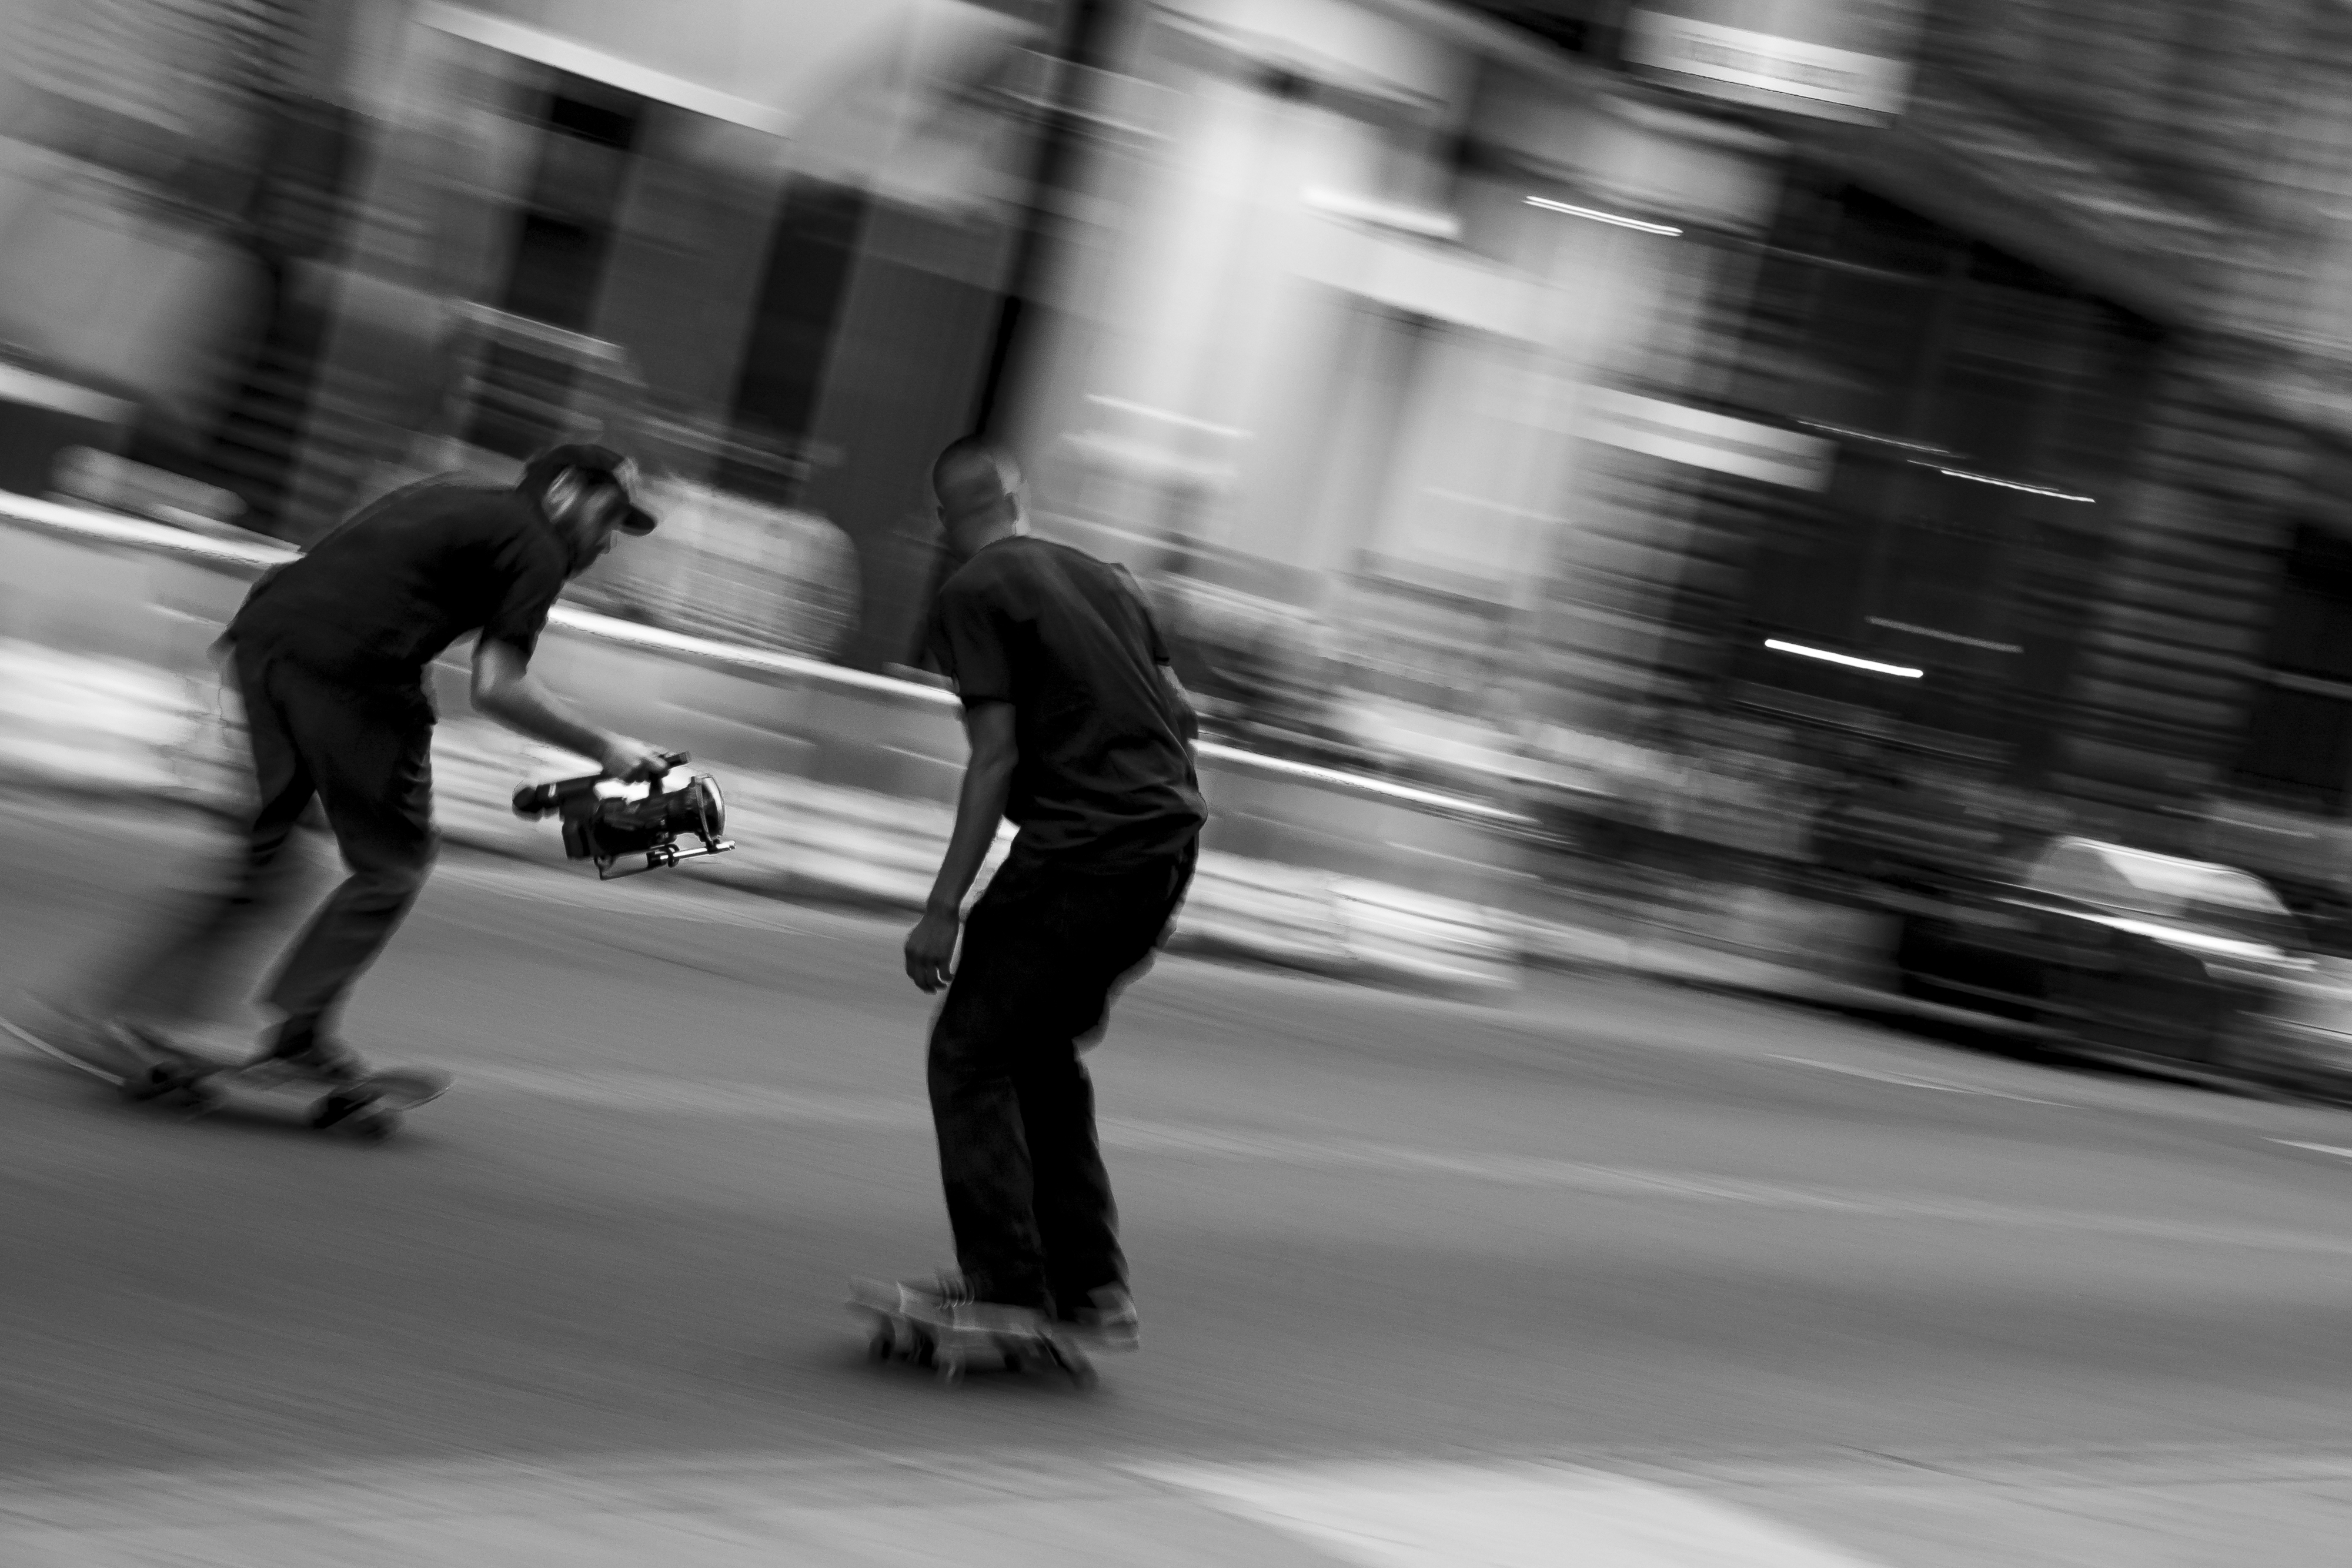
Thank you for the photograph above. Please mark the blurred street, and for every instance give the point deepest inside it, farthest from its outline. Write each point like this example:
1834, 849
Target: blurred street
1689, 532
1637, 1229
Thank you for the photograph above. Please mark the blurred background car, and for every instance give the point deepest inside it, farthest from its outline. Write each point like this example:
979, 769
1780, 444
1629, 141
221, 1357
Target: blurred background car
2124, 952
2300, 1041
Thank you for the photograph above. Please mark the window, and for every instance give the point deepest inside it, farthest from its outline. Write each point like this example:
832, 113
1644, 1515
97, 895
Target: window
1935, 362
2298, 746
563, 238
2298, 749
2312, 631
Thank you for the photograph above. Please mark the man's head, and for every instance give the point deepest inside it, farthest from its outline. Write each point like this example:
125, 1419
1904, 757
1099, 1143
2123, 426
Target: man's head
588, 493
979, 489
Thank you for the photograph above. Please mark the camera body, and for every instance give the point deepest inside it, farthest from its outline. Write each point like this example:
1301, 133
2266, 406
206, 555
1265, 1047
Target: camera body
604, 823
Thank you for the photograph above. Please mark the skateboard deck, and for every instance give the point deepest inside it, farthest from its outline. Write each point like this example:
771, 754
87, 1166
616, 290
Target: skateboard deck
903, 1323
193, 1082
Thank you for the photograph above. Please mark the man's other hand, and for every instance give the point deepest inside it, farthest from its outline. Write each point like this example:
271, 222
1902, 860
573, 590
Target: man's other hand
931, 947
632, 761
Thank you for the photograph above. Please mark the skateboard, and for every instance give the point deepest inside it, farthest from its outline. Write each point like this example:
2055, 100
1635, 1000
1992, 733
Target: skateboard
177, 1077
905, 1323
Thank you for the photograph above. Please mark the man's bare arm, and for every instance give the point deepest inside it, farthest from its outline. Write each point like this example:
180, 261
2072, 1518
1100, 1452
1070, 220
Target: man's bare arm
980, 807
504, 688
980, 804
1188, 723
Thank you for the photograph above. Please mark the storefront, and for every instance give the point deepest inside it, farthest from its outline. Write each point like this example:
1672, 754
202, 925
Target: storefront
1983, 418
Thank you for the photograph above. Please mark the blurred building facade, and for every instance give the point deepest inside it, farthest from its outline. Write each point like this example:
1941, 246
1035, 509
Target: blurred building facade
1325, 343
2101, 333
2140, 221
317, 247
1457, 375
1526, 383
1550, 385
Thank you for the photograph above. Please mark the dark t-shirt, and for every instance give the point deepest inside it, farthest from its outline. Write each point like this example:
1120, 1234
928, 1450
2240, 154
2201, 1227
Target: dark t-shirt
1104, 778
384, 595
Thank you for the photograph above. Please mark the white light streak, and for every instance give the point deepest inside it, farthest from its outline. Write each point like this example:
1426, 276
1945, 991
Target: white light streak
1463, 498
1875, 439
1385, 214
1547, 204
1948, 636
1167, 417
1873, 665
2007, 483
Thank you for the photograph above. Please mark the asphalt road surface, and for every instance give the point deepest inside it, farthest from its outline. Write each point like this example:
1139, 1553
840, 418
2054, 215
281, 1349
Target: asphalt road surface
1611, 1225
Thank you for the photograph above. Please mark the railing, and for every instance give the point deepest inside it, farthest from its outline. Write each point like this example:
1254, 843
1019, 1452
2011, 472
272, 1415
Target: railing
251, 557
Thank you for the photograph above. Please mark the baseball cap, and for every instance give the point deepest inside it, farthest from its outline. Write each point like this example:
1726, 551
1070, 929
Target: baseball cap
601, 462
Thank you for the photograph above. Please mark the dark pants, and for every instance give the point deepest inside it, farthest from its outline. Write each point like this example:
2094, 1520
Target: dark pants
1044, 950
365, 755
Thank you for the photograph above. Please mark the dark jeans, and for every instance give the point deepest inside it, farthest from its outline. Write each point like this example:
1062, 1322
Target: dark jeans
1044, 950
366, 756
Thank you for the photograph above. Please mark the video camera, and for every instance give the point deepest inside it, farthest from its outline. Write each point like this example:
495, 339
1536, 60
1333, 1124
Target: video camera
603, 820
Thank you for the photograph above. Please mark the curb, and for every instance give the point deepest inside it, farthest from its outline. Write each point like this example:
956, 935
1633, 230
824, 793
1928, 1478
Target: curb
92, 726
118, 729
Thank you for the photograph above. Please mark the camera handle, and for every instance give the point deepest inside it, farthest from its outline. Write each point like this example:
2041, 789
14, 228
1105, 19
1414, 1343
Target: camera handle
661, 859
532, 801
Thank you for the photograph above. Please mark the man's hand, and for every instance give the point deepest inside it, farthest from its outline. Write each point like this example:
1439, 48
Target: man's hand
980, 806
631, 760
931, 947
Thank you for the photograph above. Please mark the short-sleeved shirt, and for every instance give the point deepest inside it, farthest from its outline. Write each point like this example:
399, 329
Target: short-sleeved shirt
1104, 780
381, 597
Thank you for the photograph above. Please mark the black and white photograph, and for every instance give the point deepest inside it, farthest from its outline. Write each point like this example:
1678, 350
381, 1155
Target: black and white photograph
1175, 783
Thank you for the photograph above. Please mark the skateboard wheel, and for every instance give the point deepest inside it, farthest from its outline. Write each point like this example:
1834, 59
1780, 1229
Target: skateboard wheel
194, 1099
949, 1364
1083, 1376
881, 1346
150, 1083
374, 1127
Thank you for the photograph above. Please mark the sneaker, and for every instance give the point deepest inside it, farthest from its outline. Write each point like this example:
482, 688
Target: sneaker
950, 1295
913, 1295
1108, 1319
315, 1056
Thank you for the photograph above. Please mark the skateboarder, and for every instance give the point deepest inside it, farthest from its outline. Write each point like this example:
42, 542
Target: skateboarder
1081, 735
329, 653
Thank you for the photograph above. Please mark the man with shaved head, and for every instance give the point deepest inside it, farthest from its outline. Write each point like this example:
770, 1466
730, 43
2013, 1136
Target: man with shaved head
1081, 735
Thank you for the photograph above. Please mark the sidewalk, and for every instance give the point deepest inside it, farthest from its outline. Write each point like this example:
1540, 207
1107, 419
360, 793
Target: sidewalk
2194, 1511
117, 727
85, 724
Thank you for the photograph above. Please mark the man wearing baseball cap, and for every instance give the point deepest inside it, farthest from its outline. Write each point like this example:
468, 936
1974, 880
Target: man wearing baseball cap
329, 654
